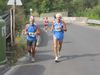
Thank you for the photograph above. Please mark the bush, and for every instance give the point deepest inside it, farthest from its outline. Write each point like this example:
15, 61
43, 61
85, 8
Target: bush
92, 13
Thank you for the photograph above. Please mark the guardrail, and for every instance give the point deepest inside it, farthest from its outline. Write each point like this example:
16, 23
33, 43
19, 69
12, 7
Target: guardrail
83, 20
93, 21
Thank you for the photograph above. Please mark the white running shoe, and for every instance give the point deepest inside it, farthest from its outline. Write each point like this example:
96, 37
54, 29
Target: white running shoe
56, 59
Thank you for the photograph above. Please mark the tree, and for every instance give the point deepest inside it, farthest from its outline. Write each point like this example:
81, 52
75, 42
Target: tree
89, 3
3, 5
45, 6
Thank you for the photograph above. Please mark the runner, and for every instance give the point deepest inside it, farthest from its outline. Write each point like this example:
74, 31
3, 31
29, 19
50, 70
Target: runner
31, 30
45, 21
58, 28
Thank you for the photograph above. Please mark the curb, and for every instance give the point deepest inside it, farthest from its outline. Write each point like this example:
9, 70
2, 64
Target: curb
4, 68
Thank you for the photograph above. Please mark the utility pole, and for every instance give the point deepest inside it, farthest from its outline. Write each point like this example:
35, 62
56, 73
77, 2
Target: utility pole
11, 25
14, 20
13, 3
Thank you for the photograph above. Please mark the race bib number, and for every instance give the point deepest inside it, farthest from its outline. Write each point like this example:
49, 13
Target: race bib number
31, 34
58, 28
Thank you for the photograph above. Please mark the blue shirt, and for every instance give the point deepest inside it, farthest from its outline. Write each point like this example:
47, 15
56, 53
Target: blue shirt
58, 32
31, 30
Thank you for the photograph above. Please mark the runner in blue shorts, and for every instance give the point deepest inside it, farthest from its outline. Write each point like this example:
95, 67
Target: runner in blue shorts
58, 28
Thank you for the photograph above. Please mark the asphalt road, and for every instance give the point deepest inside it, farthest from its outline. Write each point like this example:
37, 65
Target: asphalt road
80, 55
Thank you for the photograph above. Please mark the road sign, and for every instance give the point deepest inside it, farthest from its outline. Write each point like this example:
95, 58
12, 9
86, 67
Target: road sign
13, 2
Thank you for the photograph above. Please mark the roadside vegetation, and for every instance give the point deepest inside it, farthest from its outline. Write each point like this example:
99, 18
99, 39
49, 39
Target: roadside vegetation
83, 8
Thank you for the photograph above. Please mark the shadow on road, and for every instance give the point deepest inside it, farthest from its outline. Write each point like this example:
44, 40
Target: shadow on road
43, 57
29, 70
44, 38
64, 58
44, 51
67, 42
39, 57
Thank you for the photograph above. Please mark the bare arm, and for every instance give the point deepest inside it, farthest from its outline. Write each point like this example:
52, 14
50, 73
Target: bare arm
64, 26
52, 27
25, 29
37, 31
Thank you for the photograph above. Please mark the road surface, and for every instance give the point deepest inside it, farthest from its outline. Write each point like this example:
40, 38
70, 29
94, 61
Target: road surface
80, 55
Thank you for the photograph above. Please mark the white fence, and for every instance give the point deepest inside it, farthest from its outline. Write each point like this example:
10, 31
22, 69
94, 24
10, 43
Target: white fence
93, 21
83, 20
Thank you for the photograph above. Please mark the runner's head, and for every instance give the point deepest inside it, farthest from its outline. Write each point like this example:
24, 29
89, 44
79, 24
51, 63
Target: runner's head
58, 16
31, 19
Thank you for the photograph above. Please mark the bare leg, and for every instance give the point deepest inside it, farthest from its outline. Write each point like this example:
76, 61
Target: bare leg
60, 45
33, 51
29, 49
34, 48
55, 48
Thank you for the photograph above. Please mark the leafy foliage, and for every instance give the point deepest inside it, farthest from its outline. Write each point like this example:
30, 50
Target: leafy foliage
88, 8
3, 5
